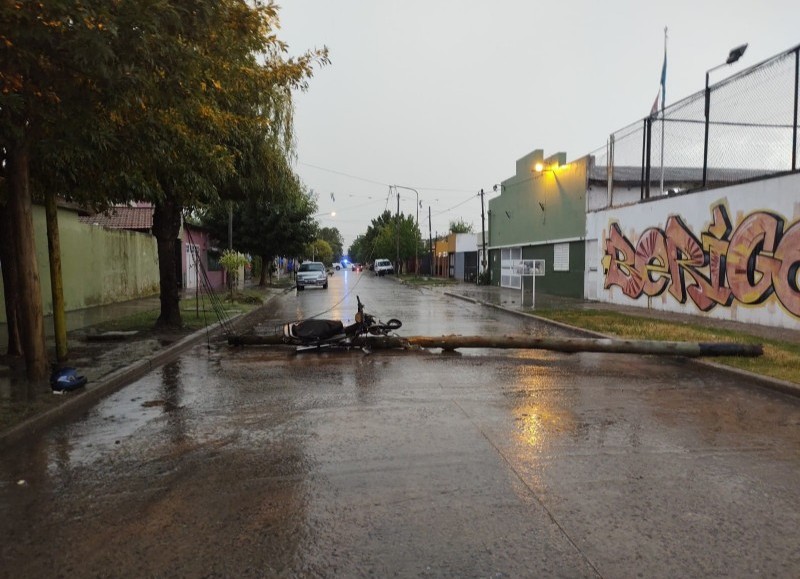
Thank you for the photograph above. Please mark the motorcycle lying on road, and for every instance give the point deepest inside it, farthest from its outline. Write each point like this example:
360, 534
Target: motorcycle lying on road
315, 334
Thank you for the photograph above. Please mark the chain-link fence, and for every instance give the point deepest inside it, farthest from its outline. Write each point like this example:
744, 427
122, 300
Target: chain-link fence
741, 128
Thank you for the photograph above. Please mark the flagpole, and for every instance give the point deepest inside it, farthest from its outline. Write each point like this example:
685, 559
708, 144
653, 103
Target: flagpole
663, 98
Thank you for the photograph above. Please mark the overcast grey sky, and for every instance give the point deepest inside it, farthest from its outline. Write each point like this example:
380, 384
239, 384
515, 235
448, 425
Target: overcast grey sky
445, 95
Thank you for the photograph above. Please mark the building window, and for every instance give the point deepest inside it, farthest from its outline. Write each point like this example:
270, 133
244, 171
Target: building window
509, 274
213, 260
561, 257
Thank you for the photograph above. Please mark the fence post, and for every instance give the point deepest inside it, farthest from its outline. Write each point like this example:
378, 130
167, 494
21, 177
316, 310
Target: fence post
705, 140
796, 83
610, 169
644, 150
649, 126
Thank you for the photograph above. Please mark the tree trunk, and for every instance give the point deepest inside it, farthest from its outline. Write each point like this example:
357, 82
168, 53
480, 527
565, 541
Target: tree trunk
262, 280
166, 228
56, 280
8, 265
31, 317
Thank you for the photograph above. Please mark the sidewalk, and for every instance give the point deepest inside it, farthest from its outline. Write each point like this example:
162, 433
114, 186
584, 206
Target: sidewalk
510, 299
107, 364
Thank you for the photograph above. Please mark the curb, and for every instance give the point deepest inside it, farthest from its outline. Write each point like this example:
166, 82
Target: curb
774, 384
94, 392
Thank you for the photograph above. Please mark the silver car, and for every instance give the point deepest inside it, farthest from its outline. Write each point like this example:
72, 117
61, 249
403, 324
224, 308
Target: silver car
312, 273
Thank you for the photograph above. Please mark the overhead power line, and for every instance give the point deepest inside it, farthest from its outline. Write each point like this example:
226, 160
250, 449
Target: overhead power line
372, 181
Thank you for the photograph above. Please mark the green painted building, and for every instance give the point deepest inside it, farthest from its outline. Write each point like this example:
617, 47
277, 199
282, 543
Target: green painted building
541, 214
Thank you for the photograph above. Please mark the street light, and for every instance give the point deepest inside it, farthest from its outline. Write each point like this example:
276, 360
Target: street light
734, 55
416, 249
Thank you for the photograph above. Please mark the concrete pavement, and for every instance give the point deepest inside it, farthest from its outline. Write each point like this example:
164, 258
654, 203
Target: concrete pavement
509, 301
110, 365
249, 462
107, 365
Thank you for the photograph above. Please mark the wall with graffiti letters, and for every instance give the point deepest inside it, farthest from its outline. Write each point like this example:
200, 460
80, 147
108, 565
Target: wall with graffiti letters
731, 253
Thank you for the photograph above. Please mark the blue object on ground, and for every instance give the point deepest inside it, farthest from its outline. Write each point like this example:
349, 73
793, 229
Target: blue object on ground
66, 379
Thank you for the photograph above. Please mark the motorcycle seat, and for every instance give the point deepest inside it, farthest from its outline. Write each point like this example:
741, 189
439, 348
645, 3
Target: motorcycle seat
315, 329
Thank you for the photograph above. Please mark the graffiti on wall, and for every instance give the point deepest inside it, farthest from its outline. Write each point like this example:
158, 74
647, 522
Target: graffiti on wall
747, 264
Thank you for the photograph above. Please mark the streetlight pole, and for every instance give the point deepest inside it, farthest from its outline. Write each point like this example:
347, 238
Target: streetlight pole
397, 226
430, 239
734, 55
483, 240
416, 245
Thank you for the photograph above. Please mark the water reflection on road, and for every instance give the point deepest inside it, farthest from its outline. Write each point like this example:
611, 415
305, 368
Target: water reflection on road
262, 462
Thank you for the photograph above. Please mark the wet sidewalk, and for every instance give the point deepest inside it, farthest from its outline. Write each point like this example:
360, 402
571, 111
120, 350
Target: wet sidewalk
106, 364
510, 299
80, 319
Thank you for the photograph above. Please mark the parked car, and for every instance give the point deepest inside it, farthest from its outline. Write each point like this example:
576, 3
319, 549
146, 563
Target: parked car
312, 273
337, 266
383, 267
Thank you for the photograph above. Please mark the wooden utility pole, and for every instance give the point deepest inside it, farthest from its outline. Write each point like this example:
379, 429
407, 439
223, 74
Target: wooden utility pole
56, 280
29, 309
605, 345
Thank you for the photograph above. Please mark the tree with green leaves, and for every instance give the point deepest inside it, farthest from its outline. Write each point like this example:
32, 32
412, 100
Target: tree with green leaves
277, 223
319, 250
53, 71
334, 239
223, 122
460, 226
179, 103
381, 240
363, 248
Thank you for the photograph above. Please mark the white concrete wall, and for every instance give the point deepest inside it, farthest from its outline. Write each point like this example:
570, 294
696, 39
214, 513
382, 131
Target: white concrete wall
596, 198
466, 242
731, 253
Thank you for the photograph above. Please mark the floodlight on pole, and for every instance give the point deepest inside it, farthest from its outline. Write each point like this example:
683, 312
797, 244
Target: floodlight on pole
734, 55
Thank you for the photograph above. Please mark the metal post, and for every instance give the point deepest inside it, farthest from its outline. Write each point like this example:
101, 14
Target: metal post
733, 56
796, 83
610, 170
430, 238
649, 125
397, 225
644, 149
416, 244
483, 238
662, 148
705, 140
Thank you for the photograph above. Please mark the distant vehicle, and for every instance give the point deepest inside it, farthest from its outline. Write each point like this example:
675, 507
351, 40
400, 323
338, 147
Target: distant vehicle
356, 267
312, 273
337, 266
383, 267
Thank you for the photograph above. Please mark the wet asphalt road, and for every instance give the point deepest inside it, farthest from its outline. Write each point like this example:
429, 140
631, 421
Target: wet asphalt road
259, 462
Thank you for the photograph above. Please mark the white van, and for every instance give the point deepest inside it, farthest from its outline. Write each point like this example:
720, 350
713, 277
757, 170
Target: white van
383, 266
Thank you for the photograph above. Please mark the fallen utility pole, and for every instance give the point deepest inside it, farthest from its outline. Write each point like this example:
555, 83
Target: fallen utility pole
606, 345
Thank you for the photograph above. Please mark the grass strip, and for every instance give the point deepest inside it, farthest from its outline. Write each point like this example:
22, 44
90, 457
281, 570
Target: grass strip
781, 359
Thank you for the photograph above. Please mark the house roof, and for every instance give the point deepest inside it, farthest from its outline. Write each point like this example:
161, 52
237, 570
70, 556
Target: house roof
137, 218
